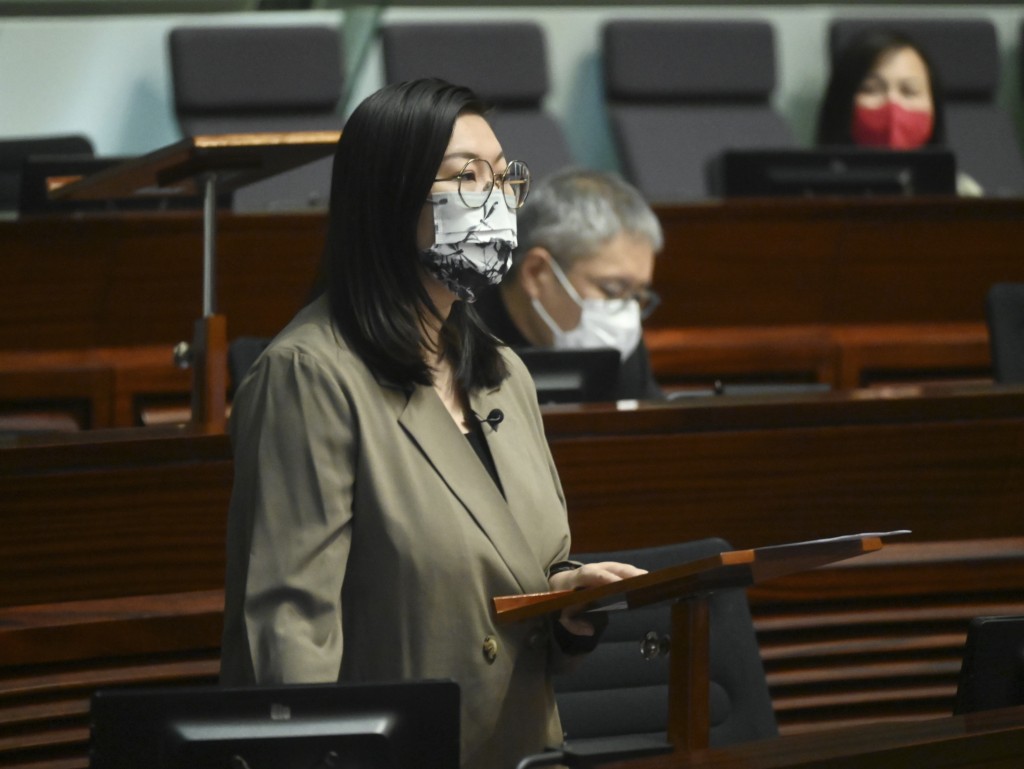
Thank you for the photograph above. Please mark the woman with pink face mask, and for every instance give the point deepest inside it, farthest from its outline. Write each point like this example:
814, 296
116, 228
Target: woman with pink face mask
884, 92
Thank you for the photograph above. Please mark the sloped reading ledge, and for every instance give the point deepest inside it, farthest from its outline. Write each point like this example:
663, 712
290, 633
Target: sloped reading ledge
688, 585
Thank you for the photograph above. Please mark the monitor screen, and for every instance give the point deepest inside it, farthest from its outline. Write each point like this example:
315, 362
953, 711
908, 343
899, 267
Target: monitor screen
406, 725
834, 172
572, 376
992, 671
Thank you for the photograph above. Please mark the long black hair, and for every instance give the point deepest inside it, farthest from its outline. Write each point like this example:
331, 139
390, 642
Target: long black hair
385, 164
850, 67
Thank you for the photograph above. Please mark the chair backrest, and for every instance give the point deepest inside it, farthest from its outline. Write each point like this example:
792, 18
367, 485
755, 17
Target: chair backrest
1004, 313
681, 92
965, 52
616, 692
505, 64
242, 353
14, 153
262, 78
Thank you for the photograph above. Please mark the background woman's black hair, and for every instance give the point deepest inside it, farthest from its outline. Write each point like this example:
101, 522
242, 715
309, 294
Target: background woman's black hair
849, 68
385, 164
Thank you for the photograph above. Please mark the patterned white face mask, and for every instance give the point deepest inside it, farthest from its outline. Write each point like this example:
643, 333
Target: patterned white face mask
472, 246
603, 322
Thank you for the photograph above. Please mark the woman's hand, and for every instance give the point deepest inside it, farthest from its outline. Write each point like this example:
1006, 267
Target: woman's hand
588, 575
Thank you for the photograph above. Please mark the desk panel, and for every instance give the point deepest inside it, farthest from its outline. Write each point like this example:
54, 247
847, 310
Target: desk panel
993, 740
947, 463
136, 279
792, 262
108, 280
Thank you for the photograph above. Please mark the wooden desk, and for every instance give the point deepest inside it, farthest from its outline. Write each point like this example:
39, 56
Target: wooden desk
794, 262
947, 463
843, 356
992, 740
844, 292
59, 654
104, 387
101, 280
96, 522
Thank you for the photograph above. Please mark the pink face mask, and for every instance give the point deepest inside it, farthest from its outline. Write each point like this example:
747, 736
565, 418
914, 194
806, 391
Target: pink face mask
891, 126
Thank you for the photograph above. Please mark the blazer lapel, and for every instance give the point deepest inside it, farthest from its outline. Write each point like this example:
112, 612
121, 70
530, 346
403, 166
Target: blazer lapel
429, 424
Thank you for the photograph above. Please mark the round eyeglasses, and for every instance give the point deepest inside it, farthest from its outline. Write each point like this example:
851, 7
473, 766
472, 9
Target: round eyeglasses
477, 180
618, 297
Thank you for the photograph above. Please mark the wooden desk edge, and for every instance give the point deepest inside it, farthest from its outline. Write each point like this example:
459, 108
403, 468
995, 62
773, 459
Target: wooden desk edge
996, 738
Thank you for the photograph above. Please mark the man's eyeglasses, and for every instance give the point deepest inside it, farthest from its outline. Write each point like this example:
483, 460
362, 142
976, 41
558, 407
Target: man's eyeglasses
477, 180
615, 292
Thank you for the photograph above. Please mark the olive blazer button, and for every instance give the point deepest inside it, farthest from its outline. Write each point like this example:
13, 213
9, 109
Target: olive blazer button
490, 649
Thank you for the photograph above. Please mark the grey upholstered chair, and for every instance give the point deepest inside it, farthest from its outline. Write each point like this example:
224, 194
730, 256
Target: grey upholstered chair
261, 78
681, 92
1004, 313
505, 64
615, 692
966, 54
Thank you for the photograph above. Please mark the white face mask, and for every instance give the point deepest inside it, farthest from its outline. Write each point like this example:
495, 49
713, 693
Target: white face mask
472, 246
603, 322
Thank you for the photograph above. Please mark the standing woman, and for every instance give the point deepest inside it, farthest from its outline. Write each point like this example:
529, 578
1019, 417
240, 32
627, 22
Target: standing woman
391, 469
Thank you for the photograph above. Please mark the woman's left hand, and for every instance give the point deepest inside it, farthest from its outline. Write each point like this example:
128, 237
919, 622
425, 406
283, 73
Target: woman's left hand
588, 575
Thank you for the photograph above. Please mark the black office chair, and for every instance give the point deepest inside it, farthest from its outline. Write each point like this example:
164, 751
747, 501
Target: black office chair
505, 64
680, 92
1004, 312
242, 353
616, 692
262, 78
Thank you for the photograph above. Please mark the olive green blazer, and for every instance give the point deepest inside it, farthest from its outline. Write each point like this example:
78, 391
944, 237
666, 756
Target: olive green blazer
366, 538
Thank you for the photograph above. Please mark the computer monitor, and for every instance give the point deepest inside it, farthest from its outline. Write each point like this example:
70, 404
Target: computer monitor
407, 725
572, 376
835, 172
992, 671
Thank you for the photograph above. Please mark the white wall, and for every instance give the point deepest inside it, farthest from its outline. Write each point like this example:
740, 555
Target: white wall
108, 76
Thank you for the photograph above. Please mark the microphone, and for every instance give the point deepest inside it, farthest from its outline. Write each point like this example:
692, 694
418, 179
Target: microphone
494, 418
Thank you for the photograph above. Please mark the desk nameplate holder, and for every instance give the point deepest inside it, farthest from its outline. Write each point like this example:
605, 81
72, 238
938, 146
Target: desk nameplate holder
203, 166
688, 586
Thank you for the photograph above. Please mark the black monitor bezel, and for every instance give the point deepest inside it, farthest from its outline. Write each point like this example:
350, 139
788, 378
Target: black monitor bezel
136, 727
834, 172
573, 376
